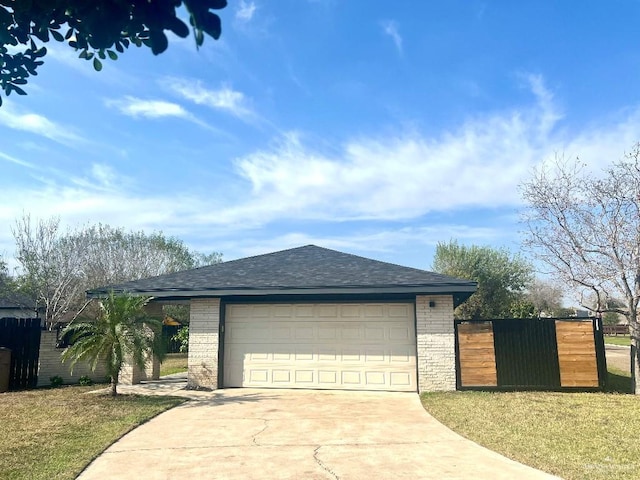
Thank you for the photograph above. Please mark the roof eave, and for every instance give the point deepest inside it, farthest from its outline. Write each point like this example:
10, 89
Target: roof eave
464, 289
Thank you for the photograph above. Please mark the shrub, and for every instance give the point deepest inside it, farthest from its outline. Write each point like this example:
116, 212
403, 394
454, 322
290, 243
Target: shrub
85, 381
56, 381
182, 337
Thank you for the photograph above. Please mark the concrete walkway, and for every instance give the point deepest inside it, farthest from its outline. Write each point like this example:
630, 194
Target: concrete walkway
297, 434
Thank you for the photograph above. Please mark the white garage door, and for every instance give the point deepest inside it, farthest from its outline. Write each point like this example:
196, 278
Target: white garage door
335, 346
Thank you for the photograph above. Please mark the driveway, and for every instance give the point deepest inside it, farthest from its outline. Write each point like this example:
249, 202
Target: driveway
300, 434
618, 356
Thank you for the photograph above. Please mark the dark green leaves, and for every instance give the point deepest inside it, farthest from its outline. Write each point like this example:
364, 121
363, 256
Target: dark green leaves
97, 29
159, 42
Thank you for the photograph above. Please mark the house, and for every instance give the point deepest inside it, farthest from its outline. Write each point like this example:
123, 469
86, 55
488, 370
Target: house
310, 317
18, 306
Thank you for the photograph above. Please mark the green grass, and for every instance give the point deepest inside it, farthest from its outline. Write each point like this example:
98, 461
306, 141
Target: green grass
174, 363
590, 436
617, 340
55, 433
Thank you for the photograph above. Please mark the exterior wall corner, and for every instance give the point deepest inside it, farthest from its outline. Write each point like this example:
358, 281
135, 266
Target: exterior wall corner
204, 341
435, 340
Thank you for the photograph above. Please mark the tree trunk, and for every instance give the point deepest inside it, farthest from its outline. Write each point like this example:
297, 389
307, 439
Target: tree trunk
634, 330
114, 385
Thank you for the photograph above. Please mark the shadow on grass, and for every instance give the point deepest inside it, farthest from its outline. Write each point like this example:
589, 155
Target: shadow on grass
617, 383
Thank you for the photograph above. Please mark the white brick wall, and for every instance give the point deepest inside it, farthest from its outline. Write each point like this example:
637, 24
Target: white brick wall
204, 328
49, 364
436, 343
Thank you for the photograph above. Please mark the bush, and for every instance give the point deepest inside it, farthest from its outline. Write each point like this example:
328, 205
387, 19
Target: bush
56, 381
85, 381
182, 337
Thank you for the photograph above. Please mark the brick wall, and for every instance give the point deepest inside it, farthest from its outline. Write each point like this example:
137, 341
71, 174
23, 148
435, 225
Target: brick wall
204, 328
436, 343
49, 364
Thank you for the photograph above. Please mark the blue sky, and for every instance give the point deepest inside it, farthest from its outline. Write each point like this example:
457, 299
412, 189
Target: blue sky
375, 128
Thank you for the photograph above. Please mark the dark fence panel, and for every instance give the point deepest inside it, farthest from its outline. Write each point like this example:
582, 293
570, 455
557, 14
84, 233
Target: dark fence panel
530, 354
22, 337
526, 353
168, 331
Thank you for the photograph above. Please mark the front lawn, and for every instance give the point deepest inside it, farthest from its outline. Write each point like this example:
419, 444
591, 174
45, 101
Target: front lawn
617, 340
55, 433
173, 363
572, 435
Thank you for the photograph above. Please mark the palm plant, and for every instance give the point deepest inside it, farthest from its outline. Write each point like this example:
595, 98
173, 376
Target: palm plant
122, 331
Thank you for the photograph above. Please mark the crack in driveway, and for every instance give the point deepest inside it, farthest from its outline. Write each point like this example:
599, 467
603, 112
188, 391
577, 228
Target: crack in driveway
254, 438
322, 465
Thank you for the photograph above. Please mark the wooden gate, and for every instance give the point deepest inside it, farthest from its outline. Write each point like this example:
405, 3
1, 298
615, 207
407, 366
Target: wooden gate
535, 354
22, 337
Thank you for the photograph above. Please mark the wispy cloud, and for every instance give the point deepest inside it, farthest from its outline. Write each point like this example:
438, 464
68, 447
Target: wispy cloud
155, 109
136, 107
223, 98
245, 11
20, 119
410, 174
390, 27
16, 161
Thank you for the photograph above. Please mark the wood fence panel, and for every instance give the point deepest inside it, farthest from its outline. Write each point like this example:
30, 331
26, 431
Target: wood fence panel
577, 354
476, 355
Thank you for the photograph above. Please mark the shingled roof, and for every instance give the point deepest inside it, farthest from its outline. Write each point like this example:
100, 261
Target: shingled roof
303, 270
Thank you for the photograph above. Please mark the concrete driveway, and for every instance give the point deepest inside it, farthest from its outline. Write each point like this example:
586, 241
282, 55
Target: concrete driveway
618, 356
300, 434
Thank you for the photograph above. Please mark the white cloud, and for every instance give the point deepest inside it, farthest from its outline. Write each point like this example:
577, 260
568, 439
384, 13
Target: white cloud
397, 177
20, 119
16, 161
224, 98
136, 107
390, 27
408, 175
154, 109
245, 11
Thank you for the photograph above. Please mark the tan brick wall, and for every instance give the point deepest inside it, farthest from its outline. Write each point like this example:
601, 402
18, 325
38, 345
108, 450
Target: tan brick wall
204, 327
50, 364
131, 374
436, 343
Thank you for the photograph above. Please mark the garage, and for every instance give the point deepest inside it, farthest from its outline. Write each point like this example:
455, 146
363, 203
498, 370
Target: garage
342, 346
315, 318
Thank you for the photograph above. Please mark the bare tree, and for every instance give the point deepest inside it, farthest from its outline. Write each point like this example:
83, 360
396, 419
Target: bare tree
545, 296
586, 228
58, 267
51, 266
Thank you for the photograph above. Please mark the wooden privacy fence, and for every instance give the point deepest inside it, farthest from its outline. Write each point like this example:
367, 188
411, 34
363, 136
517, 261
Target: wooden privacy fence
22, 337
535, 354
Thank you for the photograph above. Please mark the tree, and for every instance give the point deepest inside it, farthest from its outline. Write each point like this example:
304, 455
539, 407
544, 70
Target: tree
97, 28
59, 266
502, 278
51, 266
545, 297
121, 331
586, 228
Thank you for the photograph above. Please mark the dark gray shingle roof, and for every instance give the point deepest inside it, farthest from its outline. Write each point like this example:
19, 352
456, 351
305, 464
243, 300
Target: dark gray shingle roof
310, 268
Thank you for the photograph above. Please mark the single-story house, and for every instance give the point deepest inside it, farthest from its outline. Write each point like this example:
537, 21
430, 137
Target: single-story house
310, 317
18, 306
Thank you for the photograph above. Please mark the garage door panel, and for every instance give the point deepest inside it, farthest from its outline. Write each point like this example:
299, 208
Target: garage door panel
376, 334
360, 347
374, 311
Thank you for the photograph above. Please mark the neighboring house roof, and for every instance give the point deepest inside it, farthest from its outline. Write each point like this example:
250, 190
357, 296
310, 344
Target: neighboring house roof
303, 270
16, 301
